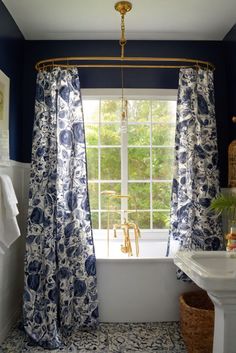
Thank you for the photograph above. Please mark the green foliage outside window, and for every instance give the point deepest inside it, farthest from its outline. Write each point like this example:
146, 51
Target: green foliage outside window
151, 128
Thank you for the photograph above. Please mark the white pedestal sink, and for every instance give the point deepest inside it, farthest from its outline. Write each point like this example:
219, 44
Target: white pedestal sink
215, 272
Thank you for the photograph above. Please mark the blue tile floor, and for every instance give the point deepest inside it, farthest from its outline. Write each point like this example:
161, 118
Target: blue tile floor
159, 337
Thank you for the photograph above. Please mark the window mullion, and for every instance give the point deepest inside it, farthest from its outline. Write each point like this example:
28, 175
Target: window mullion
99, 166
151, 180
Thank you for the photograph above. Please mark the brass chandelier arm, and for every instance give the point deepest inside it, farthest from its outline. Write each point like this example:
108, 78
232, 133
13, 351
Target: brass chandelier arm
67, 62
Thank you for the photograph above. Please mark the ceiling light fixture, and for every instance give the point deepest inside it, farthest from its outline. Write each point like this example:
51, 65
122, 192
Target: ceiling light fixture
123, 7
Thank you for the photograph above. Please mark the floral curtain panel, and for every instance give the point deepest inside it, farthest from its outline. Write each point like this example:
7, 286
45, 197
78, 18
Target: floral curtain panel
60, 270
196, 176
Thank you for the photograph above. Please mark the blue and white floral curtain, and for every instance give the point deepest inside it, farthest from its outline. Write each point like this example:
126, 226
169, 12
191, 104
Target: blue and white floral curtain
196, 176
60, 271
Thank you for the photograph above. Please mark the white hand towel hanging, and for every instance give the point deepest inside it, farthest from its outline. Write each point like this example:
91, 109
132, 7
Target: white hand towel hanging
9, 229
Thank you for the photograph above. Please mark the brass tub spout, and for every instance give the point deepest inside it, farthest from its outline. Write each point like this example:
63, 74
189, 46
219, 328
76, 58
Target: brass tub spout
127, 247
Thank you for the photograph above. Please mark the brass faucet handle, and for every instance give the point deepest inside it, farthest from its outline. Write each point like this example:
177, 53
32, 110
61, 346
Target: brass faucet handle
123, 249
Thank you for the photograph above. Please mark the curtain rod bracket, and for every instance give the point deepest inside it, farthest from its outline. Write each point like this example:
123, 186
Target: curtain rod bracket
123, 7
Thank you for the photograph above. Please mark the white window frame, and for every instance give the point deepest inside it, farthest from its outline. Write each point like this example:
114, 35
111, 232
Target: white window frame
130, 94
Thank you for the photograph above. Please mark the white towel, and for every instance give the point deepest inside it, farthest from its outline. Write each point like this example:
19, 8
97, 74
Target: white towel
9, 229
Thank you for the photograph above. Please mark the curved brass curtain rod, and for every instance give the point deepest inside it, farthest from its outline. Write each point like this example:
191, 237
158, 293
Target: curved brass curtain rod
75, 62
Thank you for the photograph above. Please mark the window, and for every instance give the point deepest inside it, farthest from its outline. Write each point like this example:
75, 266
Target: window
137, 163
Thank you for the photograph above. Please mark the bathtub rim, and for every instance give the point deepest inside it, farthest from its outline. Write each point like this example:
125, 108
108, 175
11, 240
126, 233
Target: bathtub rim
146, 235
135, 259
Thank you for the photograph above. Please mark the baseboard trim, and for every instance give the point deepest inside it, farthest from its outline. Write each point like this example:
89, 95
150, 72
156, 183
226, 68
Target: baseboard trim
19, 164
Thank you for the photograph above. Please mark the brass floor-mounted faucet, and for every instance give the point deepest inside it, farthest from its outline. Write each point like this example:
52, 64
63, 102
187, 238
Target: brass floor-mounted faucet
127, 247
125, 226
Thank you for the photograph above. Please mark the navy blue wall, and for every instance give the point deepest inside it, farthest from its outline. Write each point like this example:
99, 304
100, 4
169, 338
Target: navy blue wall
111, 78
11, 63
230, 50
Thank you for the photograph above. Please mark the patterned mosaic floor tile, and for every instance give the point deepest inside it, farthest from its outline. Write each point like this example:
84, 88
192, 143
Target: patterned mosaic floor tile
149, 337
108, 338
90, 340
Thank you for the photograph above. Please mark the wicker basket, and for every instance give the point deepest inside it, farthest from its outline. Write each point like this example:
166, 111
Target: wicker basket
197, 321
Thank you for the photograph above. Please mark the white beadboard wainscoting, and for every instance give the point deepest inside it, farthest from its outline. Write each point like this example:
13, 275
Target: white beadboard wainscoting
11, 263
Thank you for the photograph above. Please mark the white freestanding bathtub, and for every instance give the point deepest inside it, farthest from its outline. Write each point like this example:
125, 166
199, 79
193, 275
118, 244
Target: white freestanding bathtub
143, 289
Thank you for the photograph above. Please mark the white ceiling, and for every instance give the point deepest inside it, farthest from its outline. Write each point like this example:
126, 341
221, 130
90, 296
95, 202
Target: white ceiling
149, 19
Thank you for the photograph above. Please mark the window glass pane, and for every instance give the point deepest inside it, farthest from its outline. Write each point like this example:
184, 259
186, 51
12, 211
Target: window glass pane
115, 203
139, 110
110, 134
93, 195
91, 110
143, 220
132, 216
94, 217
161, 220
91, 133
162, 163
111, 110
139, 135
110, 163
114, 218
164, 111
161, 195
139, 163
163, 135
139, 196
92, 158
